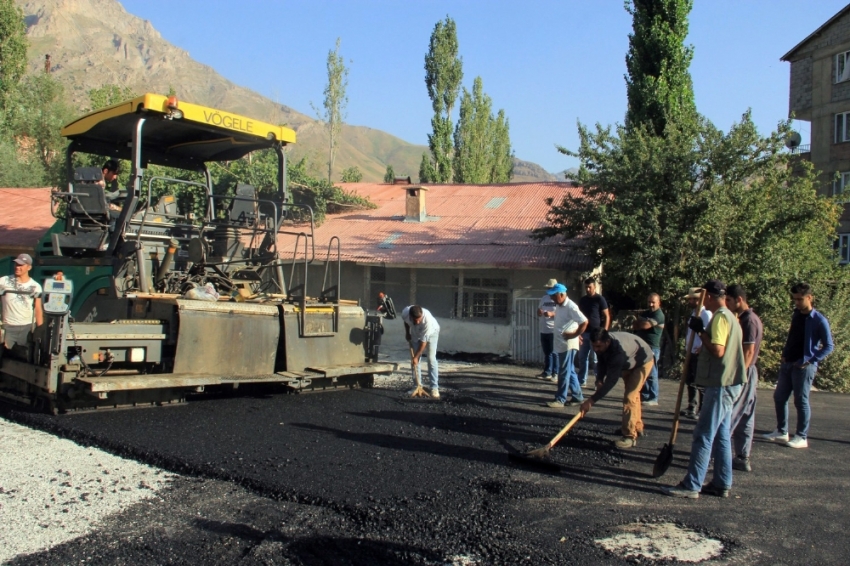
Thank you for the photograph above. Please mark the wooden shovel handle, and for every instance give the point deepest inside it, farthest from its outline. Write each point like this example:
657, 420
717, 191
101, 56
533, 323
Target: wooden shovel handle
564, 431
684, 377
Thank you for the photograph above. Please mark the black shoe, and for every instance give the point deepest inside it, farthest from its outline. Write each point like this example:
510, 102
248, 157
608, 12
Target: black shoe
711, 489
741, 464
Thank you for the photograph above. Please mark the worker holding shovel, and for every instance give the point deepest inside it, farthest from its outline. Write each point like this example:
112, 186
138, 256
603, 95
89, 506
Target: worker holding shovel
422, 333
621, 354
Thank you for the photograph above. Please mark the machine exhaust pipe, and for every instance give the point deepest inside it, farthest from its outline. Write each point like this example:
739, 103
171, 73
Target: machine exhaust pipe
165, 266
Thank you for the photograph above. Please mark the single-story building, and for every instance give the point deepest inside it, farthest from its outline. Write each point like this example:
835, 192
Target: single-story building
464, 252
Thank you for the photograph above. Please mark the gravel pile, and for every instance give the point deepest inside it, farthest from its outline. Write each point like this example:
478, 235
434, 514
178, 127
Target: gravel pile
53, 490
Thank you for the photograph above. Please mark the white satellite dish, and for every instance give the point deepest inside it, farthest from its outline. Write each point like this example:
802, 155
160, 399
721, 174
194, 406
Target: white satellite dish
793, 140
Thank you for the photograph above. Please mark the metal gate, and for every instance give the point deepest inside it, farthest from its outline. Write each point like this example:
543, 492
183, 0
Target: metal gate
525, 341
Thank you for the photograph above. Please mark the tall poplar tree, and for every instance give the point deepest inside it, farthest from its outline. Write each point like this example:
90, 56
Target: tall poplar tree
482, 141
334, 103
658, 83
443, 75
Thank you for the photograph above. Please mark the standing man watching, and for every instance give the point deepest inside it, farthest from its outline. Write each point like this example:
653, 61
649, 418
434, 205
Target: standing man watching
567, 314
546, 317
720, 369
694, 394
621, 354
595, 308
422, 333
809, 342
744, 409
650, 326
20, 308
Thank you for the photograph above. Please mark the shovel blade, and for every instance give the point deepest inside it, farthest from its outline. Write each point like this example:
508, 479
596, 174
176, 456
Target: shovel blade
662, 463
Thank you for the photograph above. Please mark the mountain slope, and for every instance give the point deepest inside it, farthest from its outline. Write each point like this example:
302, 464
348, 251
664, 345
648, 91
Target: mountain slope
96, 42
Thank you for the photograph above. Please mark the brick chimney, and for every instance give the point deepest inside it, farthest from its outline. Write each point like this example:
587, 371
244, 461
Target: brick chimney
414, 204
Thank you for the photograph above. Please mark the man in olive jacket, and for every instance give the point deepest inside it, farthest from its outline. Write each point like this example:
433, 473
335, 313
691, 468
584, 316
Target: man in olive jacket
721, 370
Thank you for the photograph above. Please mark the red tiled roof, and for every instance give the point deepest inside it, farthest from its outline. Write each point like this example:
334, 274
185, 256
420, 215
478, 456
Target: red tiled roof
461, 228
24, 216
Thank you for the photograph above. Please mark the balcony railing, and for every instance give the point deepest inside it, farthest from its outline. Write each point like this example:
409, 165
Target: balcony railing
806, 148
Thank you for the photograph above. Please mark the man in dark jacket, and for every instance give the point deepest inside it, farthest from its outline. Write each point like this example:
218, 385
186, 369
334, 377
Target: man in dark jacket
621, 354
809, 342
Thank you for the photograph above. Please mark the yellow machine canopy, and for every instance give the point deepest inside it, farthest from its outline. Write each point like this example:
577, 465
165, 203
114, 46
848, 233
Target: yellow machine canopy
172, 133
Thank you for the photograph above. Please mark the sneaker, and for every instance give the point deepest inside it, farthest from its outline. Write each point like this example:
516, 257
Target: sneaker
690, 413
554, 404
553, 378
435, 393
651, 403
711, 489
776, 435
625, 443
797, 442
543, 375
741, 464
679, 491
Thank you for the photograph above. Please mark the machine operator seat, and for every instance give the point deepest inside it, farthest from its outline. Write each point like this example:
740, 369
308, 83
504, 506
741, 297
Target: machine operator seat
88, 215
245, 212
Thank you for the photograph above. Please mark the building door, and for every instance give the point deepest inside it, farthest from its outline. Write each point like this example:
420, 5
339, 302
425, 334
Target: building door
525, 342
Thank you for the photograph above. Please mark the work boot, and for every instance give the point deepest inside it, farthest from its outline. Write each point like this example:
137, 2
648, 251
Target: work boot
690, 412
679, 491
741, 464
619, 432
435, 393
711, 489
543, 375
554, 404
625, 443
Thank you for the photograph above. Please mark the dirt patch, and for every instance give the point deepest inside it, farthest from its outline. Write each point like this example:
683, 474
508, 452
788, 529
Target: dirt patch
661, 541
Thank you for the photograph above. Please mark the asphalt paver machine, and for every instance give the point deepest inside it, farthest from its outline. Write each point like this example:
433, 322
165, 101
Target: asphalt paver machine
165, 288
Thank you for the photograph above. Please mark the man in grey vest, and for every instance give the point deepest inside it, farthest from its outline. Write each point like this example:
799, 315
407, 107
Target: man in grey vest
721, 370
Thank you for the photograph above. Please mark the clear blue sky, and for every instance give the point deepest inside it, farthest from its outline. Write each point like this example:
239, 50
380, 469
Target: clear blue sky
548, 64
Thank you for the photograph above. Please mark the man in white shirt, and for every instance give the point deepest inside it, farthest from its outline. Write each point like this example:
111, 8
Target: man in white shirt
566, 347
422, 332
21, 306
694, 395
546, 318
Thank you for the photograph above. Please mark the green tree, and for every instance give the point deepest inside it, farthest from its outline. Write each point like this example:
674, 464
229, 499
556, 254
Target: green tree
658, 83
107, 95
669, 200
443, 76
426, 169
36, 114
352, 175
334, 103
389, 176
482, 142
13, 48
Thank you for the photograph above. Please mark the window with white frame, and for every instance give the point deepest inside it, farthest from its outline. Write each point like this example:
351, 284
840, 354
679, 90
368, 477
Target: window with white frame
842, 244
841, 184
842, 127
842, 67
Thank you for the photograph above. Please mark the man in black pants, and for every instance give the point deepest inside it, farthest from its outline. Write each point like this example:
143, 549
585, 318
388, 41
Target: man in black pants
694, 395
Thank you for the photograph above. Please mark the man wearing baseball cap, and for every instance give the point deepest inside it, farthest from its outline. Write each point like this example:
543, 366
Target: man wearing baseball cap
721, 371
21, 303
567, 315
546, 317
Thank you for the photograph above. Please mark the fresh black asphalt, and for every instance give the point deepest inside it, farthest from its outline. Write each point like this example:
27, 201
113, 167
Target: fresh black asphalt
369, 477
